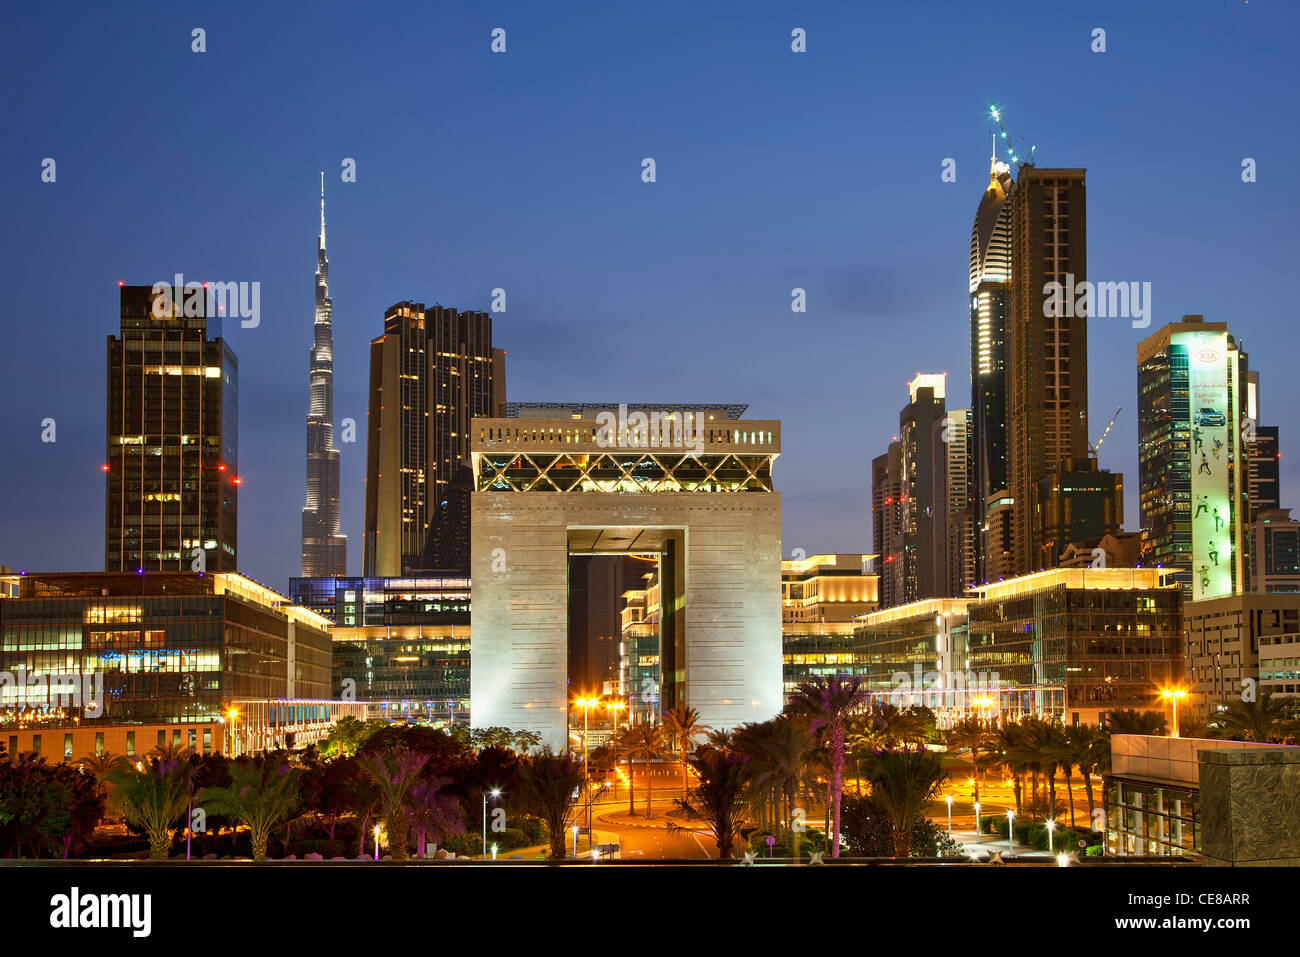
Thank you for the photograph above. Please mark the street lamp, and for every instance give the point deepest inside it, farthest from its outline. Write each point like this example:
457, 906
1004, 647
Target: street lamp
233, 715
949, 797
977, 822
495, 793
1051, 826
1011, 819
586, 704
615, 706
1175, 695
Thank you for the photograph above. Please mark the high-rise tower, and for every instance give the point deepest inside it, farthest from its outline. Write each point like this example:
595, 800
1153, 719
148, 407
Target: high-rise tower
431, 372
324, 550
990, 301
1193, 467
1047, 360
172, 467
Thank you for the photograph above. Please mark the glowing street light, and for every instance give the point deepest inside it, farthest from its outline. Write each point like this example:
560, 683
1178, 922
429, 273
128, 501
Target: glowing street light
949, 797
977, 822
1175, 695
233, 714
1051, 826
1011, 819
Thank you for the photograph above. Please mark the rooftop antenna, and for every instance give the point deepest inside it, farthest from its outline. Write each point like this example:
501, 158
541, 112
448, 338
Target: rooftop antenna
1005, 135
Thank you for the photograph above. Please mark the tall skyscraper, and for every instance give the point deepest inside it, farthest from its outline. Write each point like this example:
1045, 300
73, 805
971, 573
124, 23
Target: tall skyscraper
990, 303
431, 371
171, 469
910, 498
324, 550
886, 513
919, 431
1192, 468
1048, 340
958, 523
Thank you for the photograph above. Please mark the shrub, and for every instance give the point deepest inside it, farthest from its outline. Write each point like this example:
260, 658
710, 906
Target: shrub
509, 839
464, 843
534, 829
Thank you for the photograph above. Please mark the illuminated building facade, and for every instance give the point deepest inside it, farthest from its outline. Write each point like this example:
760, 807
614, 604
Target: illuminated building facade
640, 659
324, 549
1047, 381
171, 469
990, 305
1275, 551
821, 598
606, 482
915, 655
100, 651
1072, 643
401, 645
1192, 466
431, 372
1223, 638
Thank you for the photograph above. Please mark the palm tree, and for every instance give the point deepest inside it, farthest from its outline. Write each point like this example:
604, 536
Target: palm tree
263, 794
1264, 719
830, 701
1008, 753
777, 751
169, 752
1132, 721
394, 775
970, 734
152, 798
719, 800
903, 783
864, 735
101, 764
1052, 751
550, 780
681, 725
1084, 744
645, 742
623, 744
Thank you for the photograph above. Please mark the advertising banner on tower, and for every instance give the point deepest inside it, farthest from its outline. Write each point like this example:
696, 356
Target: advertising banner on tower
1212, 443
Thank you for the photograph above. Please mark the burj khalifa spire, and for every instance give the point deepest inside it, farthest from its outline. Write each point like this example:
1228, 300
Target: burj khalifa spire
324, 550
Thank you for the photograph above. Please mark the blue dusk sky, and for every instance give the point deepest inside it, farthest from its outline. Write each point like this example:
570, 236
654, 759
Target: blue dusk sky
522, 170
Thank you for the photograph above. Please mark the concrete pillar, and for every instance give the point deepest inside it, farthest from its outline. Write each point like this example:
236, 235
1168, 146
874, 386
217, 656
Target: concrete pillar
1250, 807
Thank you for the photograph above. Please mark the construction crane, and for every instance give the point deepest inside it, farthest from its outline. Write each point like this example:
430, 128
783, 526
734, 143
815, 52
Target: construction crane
1005, 136
1106, 431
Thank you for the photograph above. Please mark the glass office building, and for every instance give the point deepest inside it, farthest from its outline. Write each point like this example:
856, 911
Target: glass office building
399, 644
1076, 642
159, 648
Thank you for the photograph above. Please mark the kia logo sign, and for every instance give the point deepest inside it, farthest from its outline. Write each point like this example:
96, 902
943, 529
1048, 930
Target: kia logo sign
1208, 355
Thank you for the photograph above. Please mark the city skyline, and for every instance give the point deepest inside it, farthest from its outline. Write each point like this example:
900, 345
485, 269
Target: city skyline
573, 301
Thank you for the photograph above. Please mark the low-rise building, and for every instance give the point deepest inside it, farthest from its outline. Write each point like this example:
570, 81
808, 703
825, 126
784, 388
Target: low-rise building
1153, 797
822, 597
1073, 643
1221, 645
131, 661
401, 645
